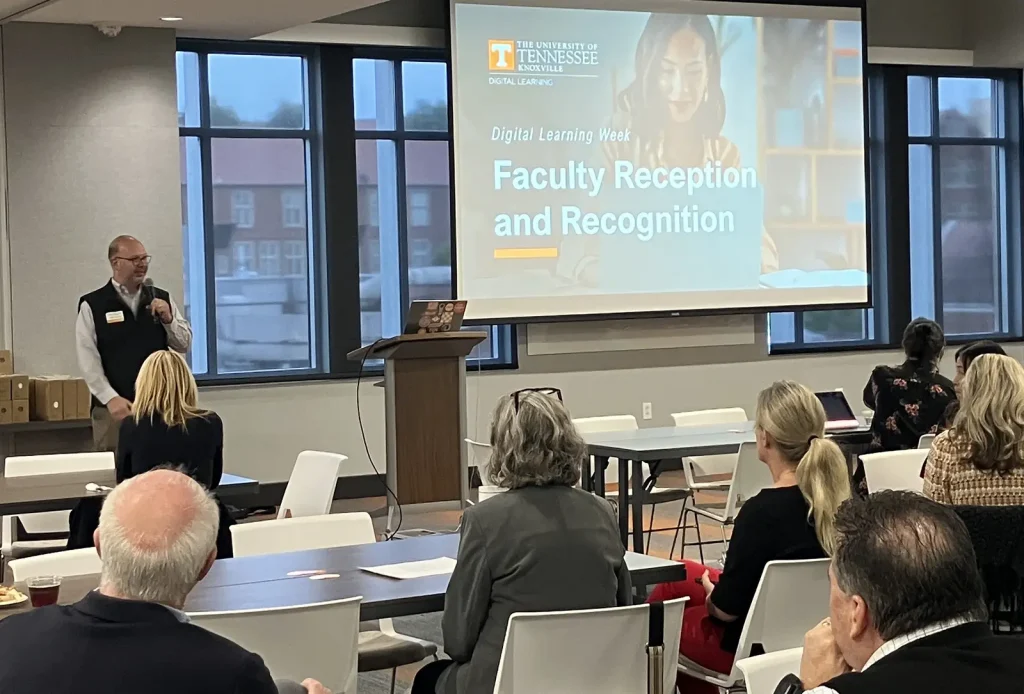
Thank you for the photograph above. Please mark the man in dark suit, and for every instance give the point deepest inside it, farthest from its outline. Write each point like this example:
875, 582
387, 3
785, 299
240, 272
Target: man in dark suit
157, 537
906, 611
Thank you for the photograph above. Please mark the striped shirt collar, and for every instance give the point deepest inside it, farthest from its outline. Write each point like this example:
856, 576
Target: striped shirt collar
895, 644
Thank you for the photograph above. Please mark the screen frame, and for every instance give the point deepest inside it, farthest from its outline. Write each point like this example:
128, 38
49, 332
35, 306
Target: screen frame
753, 309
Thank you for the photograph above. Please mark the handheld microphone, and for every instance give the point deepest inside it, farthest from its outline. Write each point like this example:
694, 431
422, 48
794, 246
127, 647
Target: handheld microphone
147, 297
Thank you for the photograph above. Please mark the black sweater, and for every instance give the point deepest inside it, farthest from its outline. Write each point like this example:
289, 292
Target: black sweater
963, 659
148, 444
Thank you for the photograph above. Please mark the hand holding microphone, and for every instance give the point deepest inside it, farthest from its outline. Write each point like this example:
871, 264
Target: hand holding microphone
158, 308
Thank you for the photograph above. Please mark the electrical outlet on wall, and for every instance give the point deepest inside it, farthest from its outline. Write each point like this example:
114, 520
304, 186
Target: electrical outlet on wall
648, 411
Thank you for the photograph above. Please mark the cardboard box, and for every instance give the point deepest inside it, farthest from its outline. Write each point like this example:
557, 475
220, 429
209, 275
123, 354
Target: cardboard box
84, 399
47, 399
19, 411
13, 387
19, 387
76, 398
6, 412
6, 362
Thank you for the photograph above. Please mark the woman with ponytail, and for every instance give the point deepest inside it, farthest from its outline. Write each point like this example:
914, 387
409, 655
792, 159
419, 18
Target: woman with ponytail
792, 519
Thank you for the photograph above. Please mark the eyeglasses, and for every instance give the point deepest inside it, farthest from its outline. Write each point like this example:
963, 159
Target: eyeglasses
137, 260
519, 394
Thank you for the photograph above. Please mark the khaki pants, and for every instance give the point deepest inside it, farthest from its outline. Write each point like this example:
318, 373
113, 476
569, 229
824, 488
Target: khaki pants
104, 429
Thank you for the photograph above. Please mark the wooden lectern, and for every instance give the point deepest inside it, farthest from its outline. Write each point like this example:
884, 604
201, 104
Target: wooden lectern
425, 414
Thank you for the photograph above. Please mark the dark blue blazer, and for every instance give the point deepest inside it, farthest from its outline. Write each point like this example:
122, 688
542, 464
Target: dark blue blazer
102, 645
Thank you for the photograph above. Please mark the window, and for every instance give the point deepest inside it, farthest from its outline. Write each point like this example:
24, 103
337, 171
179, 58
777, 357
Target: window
246, 125
270, 258
245, 258
402, 179
963, 162
293, 209
295, 258
243, 209
419, 208
945, 176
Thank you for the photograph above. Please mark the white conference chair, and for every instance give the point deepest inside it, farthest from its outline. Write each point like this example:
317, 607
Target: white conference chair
709, 465
899, 470
762, 673
17, 545
652, 494
318, 641
593, 651
301, 534
748, 479
75, 562
791, 599
310, 490
380, 646
926, 441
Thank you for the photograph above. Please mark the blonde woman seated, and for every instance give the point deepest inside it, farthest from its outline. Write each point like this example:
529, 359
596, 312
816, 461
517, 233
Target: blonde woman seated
979, 461
792, 519
541, 545
165, 428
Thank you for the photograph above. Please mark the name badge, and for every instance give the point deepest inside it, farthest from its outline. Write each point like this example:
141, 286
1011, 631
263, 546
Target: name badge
115, 317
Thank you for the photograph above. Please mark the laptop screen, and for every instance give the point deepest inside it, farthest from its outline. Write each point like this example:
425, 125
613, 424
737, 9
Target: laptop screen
837, 409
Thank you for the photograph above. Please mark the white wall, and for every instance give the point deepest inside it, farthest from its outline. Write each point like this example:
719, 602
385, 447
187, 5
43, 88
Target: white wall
93, 152
996, 28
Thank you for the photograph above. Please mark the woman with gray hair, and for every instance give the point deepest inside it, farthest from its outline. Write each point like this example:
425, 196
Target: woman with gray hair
541, 545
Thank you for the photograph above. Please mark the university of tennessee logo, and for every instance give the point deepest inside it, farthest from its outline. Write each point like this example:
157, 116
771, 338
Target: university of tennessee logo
501, 55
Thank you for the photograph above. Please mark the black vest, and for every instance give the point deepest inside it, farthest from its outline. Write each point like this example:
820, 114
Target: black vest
964, 659
125, 344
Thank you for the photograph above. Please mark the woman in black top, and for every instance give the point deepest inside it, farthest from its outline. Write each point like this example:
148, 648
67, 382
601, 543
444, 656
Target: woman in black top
792, 519
167, 427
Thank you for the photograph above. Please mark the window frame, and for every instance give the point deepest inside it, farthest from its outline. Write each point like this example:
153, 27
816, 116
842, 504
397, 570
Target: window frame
311, 134
889, 181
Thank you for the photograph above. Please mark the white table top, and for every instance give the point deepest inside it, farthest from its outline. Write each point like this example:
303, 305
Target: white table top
678, 442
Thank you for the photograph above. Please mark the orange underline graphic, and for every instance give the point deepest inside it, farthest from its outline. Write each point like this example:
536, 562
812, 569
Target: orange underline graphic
521, 253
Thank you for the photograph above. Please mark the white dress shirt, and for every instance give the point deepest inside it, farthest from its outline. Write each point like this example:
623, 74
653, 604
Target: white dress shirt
895, 644
179, 338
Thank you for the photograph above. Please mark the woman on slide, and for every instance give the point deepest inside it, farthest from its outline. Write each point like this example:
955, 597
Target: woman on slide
792, 519
675, 107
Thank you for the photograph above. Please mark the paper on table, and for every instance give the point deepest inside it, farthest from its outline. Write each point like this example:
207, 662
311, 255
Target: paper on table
414, 569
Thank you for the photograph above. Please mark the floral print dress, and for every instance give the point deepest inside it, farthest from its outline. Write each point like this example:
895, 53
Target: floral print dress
909, 401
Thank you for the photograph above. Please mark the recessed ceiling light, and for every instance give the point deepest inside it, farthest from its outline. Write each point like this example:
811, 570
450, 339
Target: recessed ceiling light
170, 19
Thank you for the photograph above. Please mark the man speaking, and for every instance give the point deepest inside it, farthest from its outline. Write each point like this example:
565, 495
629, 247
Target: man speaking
118, 326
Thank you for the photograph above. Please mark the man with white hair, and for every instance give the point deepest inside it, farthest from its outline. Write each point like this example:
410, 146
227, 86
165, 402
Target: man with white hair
157, 537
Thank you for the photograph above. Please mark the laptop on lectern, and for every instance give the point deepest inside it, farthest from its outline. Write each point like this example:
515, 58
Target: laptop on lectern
839, 415
434, 317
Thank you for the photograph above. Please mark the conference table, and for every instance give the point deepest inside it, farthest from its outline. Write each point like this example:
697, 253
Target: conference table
638, 446
248, 583
61, 491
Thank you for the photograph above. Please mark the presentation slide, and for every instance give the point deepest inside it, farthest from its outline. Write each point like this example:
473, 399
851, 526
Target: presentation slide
612, 161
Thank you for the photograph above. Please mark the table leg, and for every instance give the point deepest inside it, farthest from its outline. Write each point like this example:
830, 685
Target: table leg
638, 507
623, 502
586, 482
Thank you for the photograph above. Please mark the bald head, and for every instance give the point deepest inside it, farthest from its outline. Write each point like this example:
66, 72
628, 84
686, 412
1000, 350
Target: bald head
129, 261
157, 536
